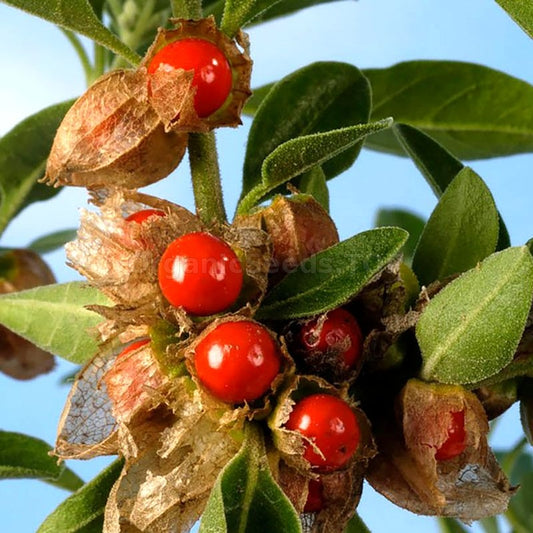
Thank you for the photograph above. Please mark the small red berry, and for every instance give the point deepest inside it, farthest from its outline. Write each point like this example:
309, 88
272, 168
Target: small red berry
132, 347
455, 444
331, 425
145, 214
237, 361
212, 72
200, 273
315, 496
339, 332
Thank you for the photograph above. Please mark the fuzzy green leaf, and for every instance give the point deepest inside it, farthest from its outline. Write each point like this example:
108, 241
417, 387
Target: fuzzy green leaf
78, 16
470, 330
474, 111
237, 13
25, 457
438, 166
55, 319
451, 525
300, 155
462, 230
521, 11
356, 525
83, 512
406, 220
23, 154
314, 183
52, 241
330, 278
245, 498
301, 104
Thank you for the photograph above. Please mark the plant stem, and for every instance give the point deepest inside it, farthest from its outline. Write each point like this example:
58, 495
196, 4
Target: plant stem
187, 9
82, 54
205, 176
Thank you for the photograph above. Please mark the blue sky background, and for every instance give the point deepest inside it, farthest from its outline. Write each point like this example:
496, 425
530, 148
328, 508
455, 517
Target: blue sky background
38, 68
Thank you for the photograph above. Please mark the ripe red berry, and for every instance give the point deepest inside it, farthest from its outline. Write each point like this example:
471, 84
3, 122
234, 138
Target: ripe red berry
315, 496
331, 425
132, 347
339, 333
237, 361
200, 273
455, 444
145, 214
212, 72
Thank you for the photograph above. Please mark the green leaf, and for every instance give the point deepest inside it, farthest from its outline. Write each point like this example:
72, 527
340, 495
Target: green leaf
406, 220
245, 498
238, 12
521, 11
356, 525
78, 16
300, 155
450, 525
302, 104
258, 95
83, 512
274, 8
490, 524
520, 511
314, 183
330, 278
22, 456
438, 166
52, 241
461, 231
55, 319
470, 330
23, 154
474, 111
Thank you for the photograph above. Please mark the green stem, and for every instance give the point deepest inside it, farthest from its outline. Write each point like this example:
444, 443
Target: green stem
187, 9
99, 61
205, 176
82, 54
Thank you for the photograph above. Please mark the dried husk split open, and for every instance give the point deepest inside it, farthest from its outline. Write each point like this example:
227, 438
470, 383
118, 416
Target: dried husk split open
171, 91
342, 488
19, 358
470, 486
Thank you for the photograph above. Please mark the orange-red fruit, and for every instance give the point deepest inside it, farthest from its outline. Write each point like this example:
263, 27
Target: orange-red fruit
331, 425
212, 72
200, 273
339, 333
132, 347
315, 496
237, 361
140, 216
455, 444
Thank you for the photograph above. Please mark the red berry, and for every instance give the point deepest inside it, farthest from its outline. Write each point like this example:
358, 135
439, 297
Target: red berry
237, 361
132, 347
455, 444
212, 72
315, 497
200, 273
331, 425
339, 332
145, 214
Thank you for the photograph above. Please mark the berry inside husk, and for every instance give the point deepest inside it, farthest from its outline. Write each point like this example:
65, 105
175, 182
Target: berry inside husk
200, 273
237, 361
455, 444
338, 333
331, 425
132, 347
141, 216
315, 496
212, 72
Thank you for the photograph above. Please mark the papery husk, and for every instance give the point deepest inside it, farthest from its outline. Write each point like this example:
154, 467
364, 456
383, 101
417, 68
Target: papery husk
20, 359
229, 414
171, 91
121, 258
112, 137
87, 427
298, 228
469, 486
171, 466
